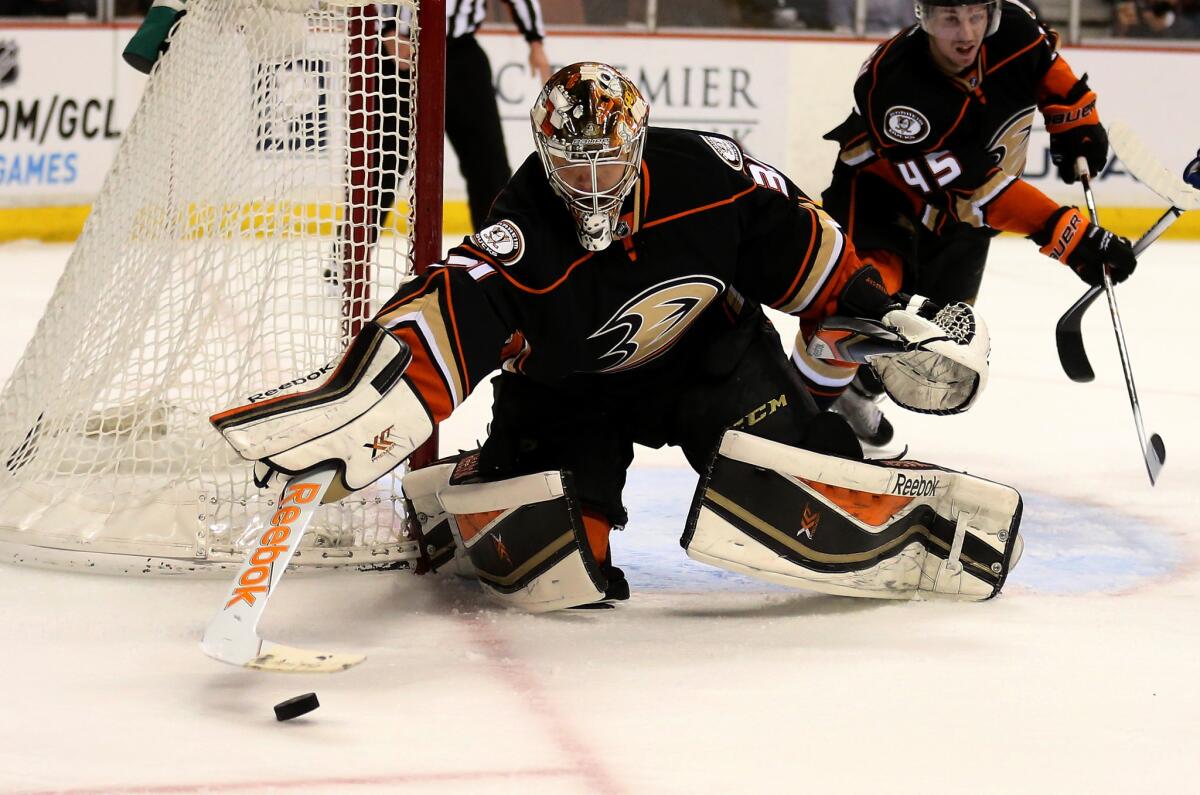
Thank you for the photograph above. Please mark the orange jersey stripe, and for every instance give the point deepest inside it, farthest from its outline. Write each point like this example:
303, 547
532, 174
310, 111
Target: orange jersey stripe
805, 262
459, 357
1017, 54
424, 375
695, 210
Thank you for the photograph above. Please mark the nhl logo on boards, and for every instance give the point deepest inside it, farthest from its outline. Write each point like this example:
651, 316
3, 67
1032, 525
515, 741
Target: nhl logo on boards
8, 61
503, 240
727, 150
905, 124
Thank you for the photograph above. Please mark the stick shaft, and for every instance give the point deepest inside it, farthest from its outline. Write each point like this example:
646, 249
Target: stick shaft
232, 635
1148, 453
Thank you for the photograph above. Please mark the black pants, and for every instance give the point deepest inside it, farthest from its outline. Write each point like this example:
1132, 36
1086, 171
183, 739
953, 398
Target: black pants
944, 267
537, 427
472, 125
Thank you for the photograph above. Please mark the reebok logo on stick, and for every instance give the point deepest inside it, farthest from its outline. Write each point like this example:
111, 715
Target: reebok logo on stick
257, 578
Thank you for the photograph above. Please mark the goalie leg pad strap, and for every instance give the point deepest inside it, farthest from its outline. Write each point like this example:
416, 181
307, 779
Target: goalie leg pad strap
426, 517
525, 537
888, 530
365, 417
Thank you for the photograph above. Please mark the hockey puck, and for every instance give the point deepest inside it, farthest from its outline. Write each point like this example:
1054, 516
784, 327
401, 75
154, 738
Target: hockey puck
295, 707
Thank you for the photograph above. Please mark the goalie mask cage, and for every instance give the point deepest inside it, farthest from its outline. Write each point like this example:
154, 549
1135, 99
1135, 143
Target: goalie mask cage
235, 244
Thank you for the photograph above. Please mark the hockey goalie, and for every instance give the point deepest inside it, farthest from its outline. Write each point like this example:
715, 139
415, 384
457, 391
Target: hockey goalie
618, 287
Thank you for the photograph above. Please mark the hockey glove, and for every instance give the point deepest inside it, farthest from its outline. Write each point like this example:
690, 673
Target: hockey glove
1075, 131
365, 418
865, 295
1085, 247
1191, 172
945, 367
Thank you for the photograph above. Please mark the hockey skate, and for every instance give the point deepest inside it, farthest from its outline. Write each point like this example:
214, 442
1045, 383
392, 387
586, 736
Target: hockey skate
860, 405
617, 589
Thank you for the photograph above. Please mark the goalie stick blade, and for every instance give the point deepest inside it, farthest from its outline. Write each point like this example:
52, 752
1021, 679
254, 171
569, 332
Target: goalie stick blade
284, 659
1147, 169
237, 648
1068, 335
288, 659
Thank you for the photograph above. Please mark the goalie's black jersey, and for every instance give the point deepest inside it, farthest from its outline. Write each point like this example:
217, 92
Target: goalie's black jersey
711, 231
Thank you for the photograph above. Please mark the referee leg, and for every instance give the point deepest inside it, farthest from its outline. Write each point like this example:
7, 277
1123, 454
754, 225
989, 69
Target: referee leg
473, 125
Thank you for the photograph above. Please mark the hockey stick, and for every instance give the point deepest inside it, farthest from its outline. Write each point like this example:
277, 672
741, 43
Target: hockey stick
1155, 452
1143, 166
1146, 169
854, 340
1068, 333
232, 635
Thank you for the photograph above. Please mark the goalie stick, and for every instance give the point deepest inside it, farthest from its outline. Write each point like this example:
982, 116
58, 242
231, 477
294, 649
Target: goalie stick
1146, 169
232, 635
855, 340
1155, 452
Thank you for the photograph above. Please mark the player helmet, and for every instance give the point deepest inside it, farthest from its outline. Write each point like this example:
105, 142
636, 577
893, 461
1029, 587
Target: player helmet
924, 10
589, 126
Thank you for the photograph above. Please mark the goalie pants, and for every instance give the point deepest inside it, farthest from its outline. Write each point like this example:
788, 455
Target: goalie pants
536, 427
945, 267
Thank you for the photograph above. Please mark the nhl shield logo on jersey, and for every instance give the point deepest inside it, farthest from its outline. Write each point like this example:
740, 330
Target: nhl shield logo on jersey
727, 150
502, 240
906, 125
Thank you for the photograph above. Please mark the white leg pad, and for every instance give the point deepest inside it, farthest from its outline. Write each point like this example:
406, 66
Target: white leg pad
891, 530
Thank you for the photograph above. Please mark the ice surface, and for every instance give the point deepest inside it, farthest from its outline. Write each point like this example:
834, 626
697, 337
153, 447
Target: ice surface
1079, 678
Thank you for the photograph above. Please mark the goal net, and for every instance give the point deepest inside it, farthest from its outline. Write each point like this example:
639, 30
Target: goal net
244, 233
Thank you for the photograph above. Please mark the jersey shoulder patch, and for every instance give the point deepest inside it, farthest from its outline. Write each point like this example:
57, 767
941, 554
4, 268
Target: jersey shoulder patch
905, 124
502, 240
729, 152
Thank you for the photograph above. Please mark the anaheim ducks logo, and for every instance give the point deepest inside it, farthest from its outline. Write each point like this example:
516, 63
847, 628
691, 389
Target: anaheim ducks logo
503, 240
654, 320
906, 125
727, 150
1011, 142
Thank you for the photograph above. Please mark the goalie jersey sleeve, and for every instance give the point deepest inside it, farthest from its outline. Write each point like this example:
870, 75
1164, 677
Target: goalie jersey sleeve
955, 145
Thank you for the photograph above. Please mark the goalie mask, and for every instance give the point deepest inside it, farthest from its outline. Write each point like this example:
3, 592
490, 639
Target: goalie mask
589, 126
930, 18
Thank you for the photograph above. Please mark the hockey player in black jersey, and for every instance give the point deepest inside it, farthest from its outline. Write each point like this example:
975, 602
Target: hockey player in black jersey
618, 286
931, 161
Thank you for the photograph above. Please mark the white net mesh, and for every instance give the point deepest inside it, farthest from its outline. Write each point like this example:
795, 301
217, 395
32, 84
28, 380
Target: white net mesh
230, 250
